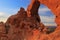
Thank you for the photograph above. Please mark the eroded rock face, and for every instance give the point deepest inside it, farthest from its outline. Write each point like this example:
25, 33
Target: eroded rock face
3, 35
26, 25
51, 4
22, 27
55, 7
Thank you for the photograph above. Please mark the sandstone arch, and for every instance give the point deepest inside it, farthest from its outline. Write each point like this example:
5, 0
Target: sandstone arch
51, 4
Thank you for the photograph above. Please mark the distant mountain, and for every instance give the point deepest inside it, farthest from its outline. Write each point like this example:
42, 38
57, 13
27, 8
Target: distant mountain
51, 26
50, 29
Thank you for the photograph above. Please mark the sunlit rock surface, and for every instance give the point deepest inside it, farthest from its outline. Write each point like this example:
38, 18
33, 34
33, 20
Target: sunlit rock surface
26, 24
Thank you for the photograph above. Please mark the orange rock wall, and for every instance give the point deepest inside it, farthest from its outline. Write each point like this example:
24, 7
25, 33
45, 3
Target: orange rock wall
26, 25
53, 5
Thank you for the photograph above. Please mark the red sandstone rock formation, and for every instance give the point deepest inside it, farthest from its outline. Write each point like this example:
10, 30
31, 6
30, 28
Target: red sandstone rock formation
3, 35
26, 25
51, 4
55, 7
20, 26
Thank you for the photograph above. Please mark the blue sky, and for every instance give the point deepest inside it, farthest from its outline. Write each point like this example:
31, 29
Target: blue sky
10, 7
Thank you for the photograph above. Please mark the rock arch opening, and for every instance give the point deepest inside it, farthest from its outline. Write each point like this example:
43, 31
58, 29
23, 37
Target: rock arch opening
51, 5
47, 17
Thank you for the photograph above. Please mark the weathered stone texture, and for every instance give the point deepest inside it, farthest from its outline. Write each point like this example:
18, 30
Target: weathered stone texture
26, 25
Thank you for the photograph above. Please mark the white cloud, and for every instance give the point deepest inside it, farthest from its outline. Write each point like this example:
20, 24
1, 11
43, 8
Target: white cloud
50, 24
1, 13
48, 20
3, 19
43, 9
3, 16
